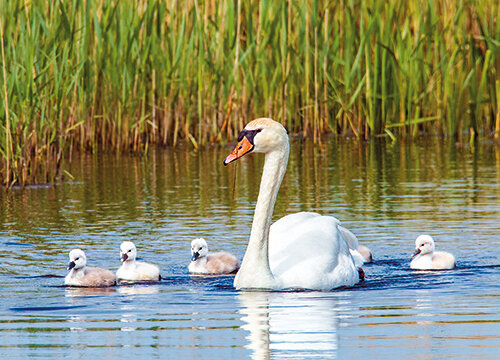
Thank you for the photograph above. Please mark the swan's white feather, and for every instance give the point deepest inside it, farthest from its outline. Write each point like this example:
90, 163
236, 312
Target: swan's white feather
307, 250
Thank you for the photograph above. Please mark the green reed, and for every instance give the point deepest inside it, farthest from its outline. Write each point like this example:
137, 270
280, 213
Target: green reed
83, 75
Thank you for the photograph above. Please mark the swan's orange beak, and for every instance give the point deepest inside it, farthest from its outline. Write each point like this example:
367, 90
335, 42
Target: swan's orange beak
243, 147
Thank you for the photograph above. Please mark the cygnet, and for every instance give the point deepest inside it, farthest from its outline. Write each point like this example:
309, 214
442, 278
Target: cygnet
366, 253
360, 253
132, 270
81, 275
216, 263
428, 259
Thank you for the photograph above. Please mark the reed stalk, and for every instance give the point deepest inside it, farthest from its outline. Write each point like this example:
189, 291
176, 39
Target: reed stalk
7, 151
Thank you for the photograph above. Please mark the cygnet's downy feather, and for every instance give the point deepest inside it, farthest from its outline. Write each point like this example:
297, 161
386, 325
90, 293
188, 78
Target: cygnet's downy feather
217, 263
132, 270
425, 258
82, 275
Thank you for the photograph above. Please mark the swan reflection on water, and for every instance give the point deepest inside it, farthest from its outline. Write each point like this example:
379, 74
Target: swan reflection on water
290, 324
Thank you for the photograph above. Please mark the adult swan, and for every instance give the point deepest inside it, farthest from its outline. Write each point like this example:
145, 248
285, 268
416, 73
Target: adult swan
299, 251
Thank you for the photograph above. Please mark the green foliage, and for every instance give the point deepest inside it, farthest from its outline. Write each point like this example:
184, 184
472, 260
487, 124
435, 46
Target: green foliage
123, 75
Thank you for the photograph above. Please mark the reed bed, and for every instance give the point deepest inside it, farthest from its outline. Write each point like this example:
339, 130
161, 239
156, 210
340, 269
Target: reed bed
124, 75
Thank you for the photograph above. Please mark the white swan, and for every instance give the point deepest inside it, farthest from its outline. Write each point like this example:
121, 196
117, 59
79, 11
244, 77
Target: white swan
82, 275
300, 251
132, 270
214, 263
428, 259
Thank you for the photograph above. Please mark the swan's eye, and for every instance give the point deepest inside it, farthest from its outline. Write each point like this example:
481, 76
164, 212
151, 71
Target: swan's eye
129, 250
258, 130
76, 259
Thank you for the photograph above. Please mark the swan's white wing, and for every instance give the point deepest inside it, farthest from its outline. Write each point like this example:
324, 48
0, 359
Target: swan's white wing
306, 250
286, 222
352, 242
359, 260
350, 238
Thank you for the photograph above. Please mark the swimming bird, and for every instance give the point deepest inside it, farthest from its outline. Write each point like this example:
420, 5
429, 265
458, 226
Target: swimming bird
300, 251
133, 270
82, 275
428, 259
366, 253
214, 263
360, 253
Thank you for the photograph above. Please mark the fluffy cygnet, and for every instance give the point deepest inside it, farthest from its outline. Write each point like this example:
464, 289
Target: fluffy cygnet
132, 270
216, 263
81, 275
366, 253
428, 259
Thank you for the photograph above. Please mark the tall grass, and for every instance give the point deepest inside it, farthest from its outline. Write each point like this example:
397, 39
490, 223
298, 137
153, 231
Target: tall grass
125, 75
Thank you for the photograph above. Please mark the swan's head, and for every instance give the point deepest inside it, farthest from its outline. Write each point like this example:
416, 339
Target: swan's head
128, 252
424, 244
260, 135
199, 248
77, 259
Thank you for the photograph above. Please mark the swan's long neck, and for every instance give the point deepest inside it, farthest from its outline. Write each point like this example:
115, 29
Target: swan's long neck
255, 272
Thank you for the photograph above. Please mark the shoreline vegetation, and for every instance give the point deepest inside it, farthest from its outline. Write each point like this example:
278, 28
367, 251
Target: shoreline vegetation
123, 76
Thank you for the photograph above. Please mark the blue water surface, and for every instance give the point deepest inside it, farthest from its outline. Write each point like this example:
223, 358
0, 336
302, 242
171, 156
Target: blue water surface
386, 194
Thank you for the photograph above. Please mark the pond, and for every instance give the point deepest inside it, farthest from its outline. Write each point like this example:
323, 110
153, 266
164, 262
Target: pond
387, 194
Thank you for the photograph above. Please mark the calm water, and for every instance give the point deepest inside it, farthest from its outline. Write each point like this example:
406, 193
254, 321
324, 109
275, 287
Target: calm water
386, 194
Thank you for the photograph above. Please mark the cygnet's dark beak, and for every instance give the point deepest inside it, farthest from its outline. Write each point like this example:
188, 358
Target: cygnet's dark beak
71, 265
124, 257
195, 256
416, 252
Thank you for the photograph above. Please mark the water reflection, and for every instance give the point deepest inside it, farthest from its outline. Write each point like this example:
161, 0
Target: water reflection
289, 324
76, 292
74, 322
423, 306
138, 289
255, 311
128, 318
